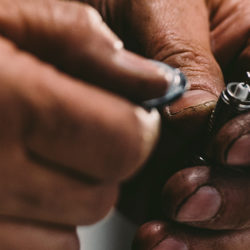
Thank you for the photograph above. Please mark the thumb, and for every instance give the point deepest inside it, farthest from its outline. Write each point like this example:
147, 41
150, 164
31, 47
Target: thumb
177, 32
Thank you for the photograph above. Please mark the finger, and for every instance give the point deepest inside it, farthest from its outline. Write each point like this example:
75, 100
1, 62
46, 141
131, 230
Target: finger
73, 37
214, 200
20, 235
229, 29
39, 192
231, 145
165, 236
163, 32
71, 124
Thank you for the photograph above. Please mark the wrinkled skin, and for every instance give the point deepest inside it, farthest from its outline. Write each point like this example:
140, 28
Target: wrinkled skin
156, 29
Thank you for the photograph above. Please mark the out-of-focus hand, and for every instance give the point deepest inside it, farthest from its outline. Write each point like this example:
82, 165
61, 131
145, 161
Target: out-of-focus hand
66, 144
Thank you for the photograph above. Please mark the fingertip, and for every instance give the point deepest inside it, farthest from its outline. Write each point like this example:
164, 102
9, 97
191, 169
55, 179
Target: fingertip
148, 235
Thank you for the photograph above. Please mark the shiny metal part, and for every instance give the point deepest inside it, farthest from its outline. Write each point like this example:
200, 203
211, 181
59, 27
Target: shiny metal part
234, 100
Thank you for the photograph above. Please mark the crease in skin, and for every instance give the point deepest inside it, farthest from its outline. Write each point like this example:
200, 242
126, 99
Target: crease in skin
59, 168
194, 69
32, 222
186, 51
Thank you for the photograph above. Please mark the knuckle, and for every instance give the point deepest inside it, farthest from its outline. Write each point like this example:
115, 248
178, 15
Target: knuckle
181, 53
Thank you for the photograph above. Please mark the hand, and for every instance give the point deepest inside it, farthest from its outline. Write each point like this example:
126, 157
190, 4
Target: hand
185, 42
212, 200
65, 144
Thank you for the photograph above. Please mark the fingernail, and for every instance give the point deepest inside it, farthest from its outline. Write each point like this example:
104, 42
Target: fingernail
201, 206
171, 244
239, 152
150, 123
194, 99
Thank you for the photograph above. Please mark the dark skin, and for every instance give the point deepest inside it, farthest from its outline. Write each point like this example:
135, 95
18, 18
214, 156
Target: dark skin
159, 36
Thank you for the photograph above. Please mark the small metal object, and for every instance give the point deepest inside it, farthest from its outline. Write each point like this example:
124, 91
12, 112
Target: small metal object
178, 85
234, 100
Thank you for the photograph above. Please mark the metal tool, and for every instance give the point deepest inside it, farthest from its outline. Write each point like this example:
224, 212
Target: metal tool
234, 100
